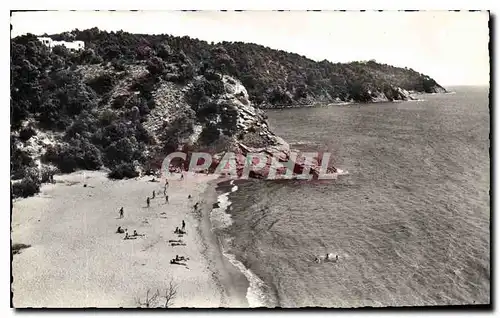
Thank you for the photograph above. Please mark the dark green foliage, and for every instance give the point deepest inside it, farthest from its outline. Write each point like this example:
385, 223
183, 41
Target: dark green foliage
118, 66
28, 186
228, 118
208, 86
146, 86
25, 188
156, 66
19, 161
47, 88
209, 134
26, 133
77, 154
122, 150
119, 101
177, 131
122, 171
290, 76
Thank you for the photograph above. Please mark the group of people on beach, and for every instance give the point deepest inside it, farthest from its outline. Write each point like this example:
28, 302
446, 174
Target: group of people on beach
127, 236
148, 199
180, 233
181, 230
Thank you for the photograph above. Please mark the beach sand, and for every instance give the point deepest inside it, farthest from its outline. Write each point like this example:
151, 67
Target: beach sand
77, 260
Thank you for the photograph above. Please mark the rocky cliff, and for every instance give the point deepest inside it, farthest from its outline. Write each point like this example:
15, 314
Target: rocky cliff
127, 100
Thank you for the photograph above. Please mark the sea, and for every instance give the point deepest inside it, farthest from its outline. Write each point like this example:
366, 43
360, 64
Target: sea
409, 221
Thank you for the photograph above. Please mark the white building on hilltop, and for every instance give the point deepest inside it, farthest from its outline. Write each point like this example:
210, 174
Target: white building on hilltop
72, 46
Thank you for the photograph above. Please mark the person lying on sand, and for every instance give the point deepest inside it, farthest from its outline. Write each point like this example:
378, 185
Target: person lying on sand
175, 241
128, 237
135, 234
179, 231
173, 261
178, 244
181, 258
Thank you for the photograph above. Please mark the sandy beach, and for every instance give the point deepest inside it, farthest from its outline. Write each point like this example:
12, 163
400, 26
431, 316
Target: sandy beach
77, 259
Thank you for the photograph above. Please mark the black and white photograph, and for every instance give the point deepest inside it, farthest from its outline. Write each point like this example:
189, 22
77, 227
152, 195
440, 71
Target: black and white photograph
246, 159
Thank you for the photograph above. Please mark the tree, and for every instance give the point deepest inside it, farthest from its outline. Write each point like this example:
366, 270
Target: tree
156, 66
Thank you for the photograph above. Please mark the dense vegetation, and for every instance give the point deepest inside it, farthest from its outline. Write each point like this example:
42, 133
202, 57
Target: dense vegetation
272, 77
48, 93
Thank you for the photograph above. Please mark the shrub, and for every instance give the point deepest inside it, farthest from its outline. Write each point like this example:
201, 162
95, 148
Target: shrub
155, 66
27, 187
103, 84
47, 172
209, 134
26, 133
119, 101
19, 161
120, 151
123, 170
76, 155
164, 51
118, 66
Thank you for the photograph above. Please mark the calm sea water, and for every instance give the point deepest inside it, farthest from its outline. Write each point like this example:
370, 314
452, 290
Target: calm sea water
410, 222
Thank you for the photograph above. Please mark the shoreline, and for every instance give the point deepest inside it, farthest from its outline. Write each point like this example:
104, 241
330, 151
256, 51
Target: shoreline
256, 291
232, 281
76, 255
318, 104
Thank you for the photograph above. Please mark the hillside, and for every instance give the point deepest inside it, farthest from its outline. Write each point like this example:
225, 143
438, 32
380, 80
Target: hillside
272, 77
128, 99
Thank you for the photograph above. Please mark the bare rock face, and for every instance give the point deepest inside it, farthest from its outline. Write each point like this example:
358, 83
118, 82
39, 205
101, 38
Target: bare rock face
254, 135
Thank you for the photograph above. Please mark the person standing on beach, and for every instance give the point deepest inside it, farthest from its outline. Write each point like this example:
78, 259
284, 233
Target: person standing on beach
166, 198
183, 225
121, 213
154, 194
148, 201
